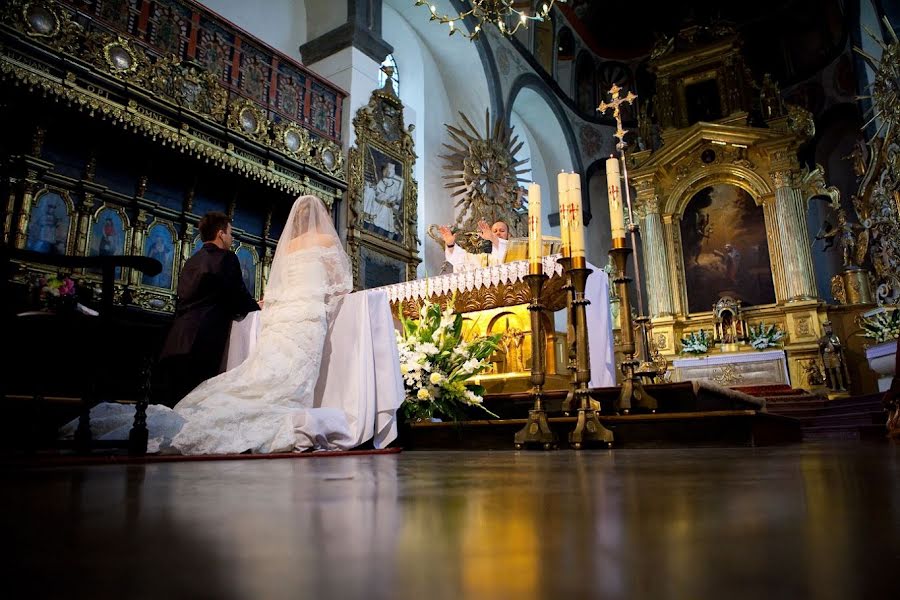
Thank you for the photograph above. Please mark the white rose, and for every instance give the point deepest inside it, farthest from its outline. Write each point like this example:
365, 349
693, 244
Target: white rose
423, 395
436, 378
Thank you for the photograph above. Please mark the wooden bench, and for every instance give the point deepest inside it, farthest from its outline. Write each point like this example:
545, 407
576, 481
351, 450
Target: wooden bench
107, 325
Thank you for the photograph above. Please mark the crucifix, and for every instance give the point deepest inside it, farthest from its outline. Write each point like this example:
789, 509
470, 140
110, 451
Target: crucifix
615, 104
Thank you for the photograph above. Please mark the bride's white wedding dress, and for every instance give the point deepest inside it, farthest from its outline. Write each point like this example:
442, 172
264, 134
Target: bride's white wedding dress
265, 404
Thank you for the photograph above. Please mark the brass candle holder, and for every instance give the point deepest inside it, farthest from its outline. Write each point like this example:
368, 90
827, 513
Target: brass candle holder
588, 429
633, 394
537, 430
571, 342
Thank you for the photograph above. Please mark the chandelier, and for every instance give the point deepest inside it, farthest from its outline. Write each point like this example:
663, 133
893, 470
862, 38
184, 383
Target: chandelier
502, 14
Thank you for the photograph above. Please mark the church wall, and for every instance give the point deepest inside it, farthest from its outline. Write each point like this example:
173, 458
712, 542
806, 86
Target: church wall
438, 79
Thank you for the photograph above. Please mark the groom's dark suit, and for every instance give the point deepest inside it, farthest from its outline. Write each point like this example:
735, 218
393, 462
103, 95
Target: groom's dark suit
211, 293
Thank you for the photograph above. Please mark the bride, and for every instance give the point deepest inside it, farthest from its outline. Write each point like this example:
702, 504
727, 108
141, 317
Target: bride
265, 404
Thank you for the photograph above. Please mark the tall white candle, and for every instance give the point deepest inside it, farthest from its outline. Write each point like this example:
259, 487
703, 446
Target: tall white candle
562, 183
576, 222
614, 191
535, 244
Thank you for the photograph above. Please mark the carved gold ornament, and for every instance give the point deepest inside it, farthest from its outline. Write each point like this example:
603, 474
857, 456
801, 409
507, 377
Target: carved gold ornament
483, 174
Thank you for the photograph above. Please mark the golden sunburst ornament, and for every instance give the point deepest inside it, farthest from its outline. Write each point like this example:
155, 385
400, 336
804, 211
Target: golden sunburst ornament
483, 173
886, 87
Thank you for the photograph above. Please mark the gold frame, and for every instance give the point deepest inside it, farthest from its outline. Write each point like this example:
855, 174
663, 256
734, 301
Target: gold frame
371, 132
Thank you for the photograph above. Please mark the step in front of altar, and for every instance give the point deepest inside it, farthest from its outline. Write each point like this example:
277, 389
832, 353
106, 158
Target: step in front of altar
689, 415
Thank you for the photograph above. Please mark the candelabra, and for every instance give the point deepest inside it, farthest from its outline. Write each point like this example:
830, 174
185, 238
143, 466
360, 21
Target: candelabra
633, 393
537, 429
588, 429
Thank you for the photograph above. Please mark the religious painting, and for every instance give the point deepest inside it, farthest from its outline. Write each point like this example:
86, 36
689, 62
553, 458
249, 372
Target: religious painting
108, 235
702, 101
383, 195
247, 258
48, 224
160, 244
725, 249
323, 110
198, 243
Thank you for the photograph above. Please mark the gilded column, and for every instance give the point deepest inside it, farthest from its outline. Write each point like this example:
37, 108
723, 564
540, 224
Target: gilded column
790, 213
672, 229
774, 241
656, 262
28, 187
137, 243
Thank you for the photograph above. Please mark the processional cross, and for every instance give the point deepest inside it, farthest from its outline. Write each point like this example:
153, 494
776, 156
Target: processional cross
615, 104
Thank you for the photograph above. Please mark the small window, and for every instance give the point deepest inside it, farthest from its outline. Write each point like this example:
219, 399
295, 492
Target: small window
389, 66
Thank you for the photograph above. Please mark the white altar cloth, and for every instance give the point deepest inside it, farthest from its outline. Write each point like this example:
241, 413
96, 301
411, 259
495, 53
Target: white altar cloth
360, 371
599, 320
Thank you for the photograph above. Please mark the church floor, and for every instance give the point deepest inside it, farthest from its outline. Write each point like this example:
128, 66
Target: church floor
802, 521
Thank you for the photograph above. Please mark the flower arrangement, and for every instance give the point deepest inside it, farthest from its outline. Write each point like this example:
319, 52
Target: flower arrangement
435, 363
881, 324
57, 292
697, 342
762, 337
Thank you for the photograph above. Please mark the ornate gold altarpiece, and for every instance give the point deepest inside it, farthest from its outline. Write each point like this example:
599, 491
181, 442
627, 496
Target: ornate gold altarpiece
495, 300
383, 194
174, 74
762, 161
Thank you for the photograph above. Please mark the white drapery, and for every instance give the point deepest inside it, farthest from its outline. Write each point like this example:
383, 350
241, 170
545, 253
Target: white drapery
360, 372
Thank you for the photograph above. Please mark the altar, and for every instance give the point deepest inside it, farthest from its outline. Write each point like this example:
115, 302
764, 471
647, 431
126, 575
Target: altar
734, 369
494, 300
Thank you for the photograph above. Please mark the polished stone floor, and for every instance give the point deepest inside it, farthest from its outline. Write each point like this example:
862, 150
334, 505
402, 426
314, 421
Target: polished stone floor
804, 521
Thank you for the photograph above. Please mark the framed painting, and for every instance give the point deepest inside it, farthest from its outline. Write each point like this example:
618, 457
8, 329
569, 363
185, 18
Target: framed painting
49, 223
383, 186
725, 249
108, 234
247, 256
382, 215
160, 244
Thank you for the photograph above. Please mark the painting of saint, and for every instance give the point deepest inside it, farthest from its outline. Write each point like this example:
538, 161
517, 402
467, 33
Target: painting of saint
248, 267
725, 249
383, 196
48, 225
160, 244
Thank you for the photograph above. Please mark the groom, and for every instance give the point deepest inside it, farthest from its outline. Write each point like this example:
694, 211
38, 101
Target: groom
211, 294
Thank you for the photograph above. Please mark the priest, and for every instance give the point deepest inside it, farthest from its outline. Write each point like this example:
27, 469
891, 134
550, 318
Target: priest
497, 234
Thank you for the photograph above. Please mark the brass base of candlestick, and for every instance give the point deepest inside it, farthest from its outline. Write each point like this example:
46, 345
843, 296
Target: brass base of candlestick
536, 431
588, 429
632, 395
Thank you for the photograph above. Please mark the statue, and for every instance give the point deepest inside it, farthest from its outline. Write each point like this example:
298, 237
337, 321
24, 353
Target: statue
852, 237
511, 341
831, 350
770, 98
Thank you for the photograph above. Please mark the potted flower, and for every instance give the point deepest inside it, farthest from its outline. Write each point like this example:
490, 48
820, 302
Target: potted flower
697, 342
762, 337
882, 326
57, 293
436, 364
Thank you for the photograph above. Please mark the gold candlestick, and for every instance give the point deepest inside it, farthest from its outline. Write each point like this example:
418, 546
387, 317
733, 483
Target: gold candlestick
588, 429
632, 394
568, 289
537, 429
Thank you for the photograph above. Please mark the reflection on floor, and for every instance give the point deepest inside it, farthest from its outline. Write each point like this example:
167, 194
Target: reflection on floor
805, 521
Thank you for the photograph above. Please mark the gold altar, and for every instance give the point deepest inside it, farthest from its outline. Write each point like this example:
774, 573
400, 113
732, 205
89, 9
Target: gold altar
501, 307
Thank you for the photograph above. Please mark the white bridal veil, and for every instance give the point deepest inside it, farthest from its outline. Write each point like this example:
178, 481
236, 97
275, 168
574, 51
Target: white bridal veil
309, 229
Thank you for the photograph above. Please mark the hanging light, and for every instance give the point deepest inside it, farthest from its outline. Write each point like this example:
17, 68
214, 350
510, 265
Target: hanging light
502, 14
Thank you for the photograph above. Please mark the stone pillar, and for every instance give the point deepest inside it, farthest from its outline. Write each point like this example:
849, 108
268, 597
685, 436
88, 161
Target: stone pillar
790, 213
